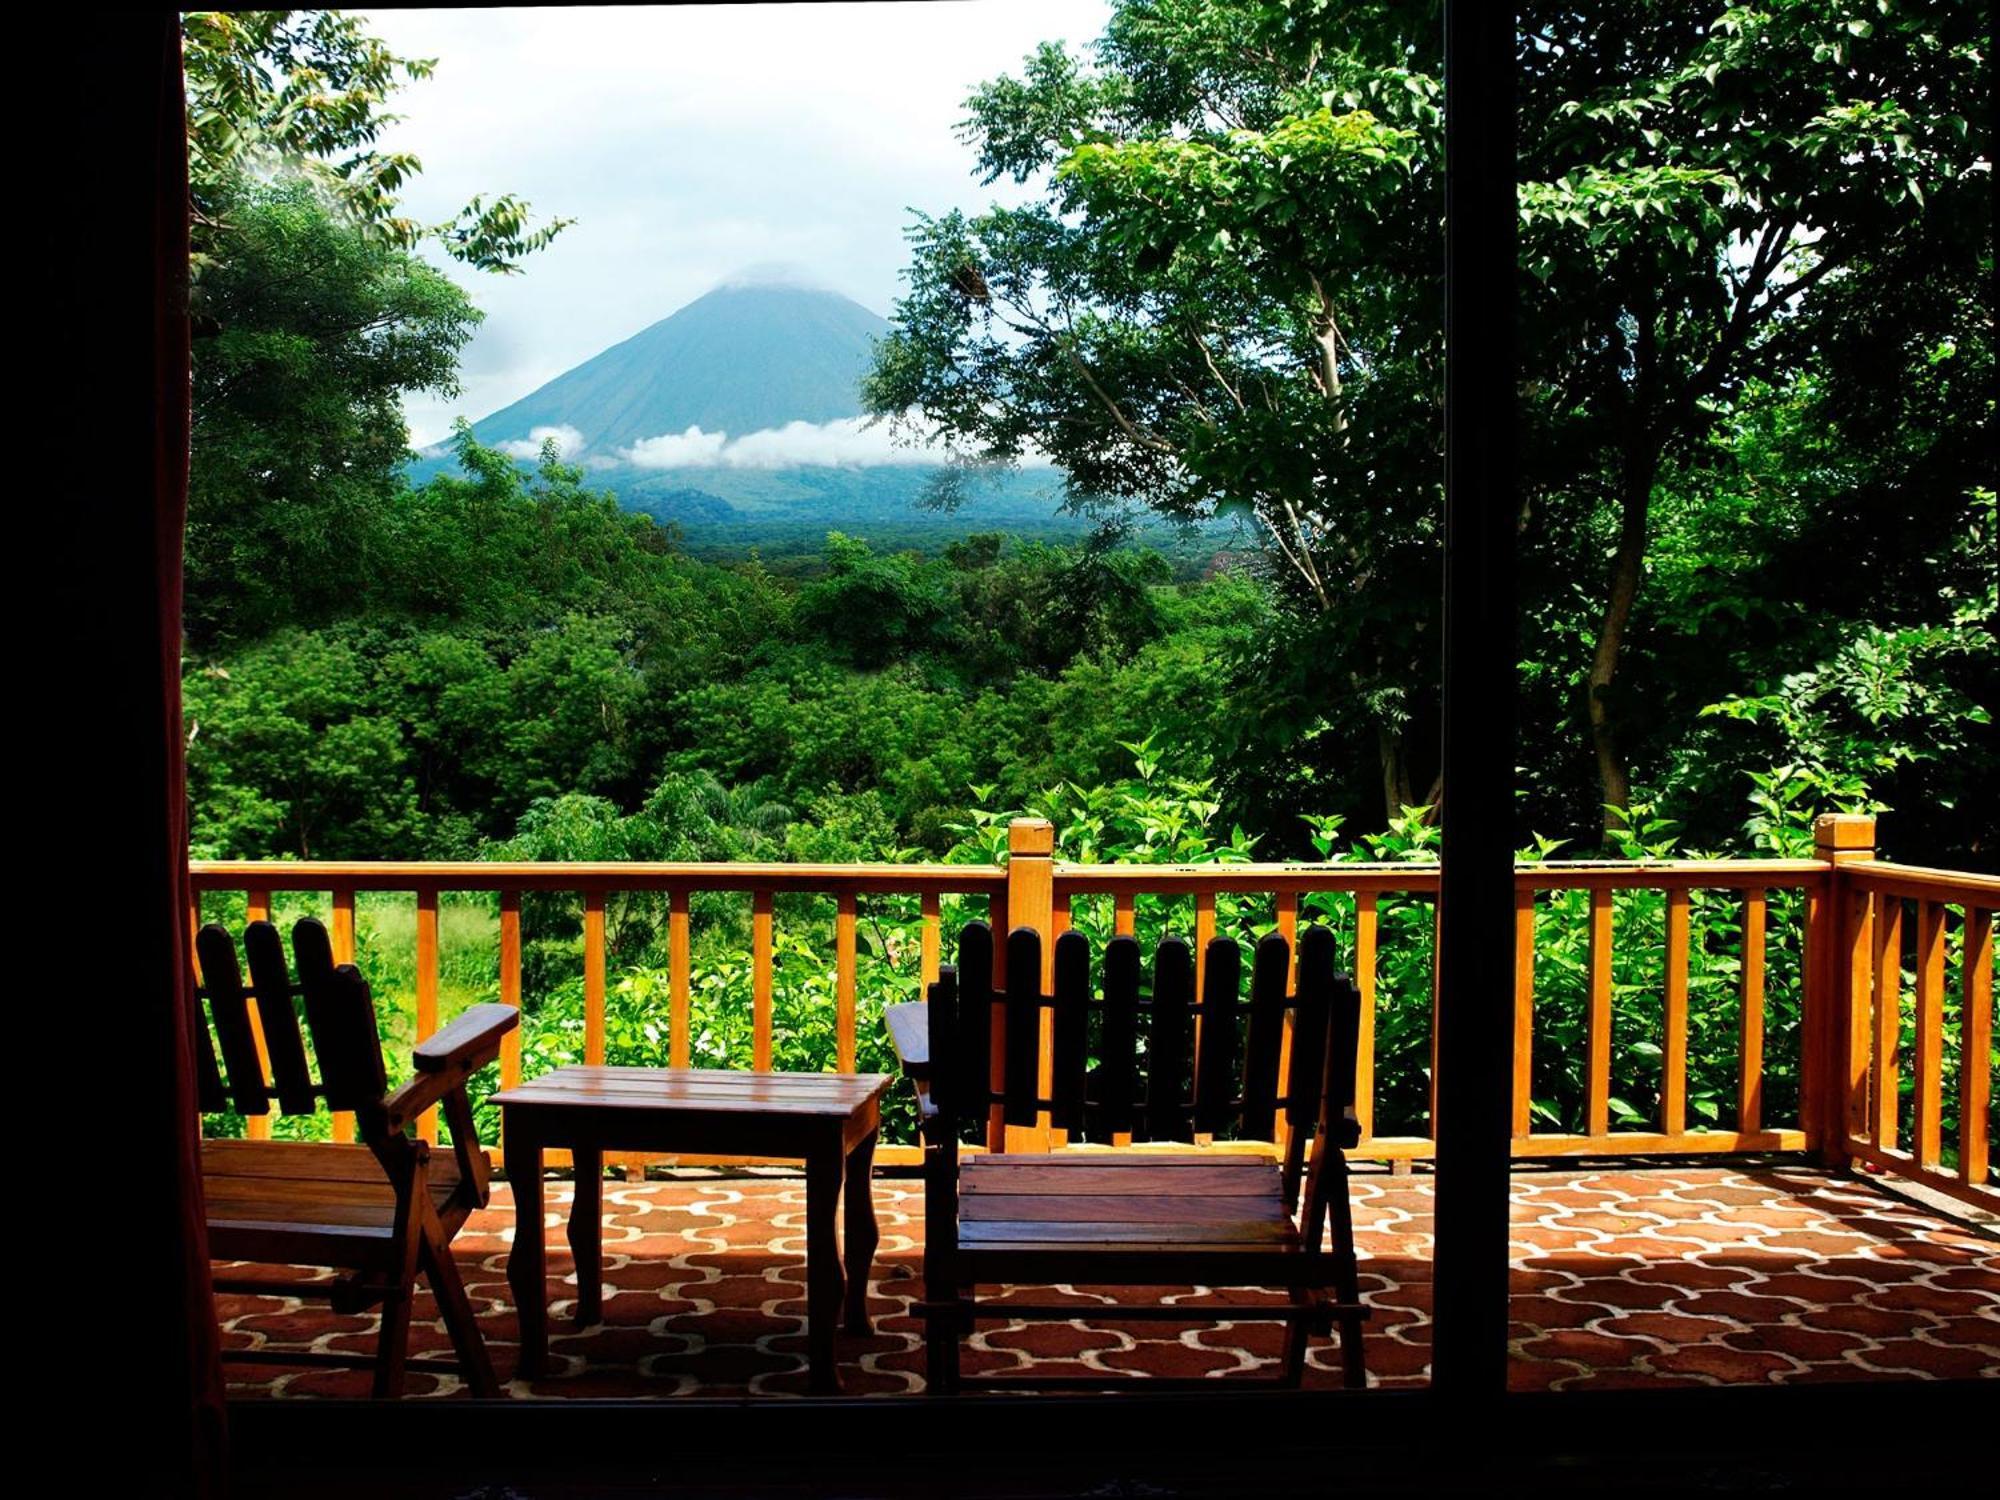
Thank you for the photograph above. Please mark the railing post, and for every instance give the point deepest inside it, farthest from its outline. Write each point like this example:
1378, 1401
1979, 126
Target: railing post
1839, 981
1031, 844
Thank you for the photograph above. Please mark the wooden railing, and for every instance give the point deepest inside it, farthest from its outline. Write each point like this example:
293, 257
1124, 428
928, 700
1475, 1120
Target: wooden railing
1897, 923
1841, 1064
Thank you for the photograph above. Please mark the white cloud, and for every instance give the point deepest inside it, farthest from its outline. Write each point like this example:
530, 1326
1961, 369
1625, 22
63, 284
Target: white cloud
569, 442
685, 450
845, 442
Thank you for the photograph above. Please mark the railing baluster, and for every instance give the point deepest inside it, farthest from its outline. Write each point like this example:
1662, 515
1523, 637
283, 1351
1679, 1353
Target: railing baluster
932, 940
593, 978
1124, 914
1750, 1019
341, 939
1927, 1134
1673, 1063
510, 984
1286, 905
427, 989
1859, 918
761, 903
843, 981
1975, 1080
1204, 929
257, 908
1597, 1078
680, 982
1888, 1016
1524, 1011
1062, 915
1366, 916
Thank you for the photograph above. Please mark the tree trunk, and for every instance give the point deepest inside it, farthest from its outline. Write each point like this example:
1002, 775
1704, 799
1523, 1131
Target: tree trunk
1396, 789
1642, 464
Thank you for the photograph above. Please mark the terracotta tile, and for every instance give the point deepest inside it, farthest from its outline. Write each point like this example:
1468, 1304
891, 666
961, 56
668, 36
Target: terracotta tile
1954, 1362
1671, 1329
1721, 1363
1807, 1344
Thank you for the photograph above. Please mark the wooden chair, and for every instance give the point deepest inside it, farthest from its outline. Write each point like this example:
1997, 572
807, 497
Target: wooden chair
380, 1211
1135, 1218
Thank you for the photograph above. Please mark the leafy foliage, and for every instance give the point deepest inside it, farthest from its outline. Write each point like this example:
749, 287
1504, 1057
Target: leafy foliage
305, 92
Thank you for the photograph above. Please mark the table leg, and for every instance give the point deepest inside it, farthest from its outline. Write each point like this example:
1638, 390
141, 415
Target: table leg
586, 1233
525, 1265
862, 1234
824, 1168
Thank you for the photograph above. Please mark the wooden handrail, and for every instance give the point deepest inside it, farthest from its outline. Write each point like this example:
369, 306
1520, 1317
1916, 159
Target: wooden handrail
573, 877
1070, 879
1921, 884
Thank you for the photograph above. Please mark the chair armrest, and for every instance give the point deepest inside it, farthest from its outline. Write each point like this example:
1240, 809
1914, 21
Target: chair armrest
467, 1043
910, 1034
1347, 1134
445, 1060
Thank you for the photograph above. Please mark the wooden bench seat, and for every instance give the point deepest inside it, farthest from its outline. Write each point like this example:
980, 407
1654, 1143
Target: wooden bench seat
270, 1199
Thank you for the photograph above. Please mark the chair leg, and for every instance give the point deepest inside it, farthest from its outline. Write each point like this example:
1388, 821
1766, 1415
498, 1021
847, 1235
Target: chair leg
1347, 1285
944, 1314
459, 1320
393, 1347
412, 1211
1298, 1333
942, 1331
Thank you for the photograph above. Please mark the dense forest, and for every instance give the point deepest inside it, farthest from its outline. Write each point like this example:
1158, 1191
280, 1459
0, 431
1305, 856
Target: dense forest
1758, 526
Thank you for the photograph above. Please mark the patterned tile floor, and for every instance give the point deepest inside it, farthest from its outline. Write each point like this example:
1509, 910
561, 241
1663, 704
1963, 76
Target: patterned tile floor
1640, 1277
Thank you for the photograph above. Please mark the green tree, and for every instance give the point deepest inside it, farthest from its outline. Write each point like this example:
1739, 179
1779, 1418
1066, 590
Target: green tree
312, 332
289, 754
1226, 299
1689, 178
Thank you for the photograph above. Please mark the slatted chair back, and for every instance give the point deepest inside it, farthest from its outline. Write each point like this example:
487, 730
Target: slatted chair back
1170, 1067
339, 1016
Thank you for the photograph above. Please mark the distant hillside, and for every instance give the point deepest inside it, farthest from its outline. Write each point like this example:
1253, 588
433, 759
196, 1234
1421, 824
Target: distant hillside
772, 364
739, 360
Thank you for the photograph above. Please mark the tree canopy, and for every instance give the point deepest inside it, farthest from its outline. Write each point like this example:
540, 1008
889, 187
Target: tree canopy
1228, 297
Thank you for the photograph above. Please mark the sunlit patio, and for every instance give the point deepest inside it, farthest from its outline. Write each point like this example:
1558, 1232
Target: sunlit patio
1654, 1276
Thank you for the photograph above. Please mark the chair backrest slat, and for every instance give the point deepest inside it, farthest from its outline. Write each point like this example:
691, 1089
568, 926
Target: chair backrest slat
1264, 1047
1209, 1068
209, 1092
1317, 960
1167, 1118
1071, 1032
341, 1016
1215, 1064
975, 1019
228, 1004
272, 981
1023, 1062
1118, 1073
947, 1082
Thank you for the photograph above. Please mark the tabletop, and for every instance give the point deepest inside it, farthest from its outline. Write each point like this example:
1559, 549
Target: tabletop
708, 1090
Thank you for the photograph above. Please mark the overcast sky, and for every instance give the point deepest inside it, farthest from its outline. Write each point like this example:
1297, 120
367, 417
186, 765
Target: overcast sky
691, 143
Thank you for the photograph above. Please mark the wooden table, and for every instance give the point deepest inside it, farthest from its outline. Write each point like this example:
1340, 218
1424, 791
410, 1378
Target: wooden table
827, 1120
